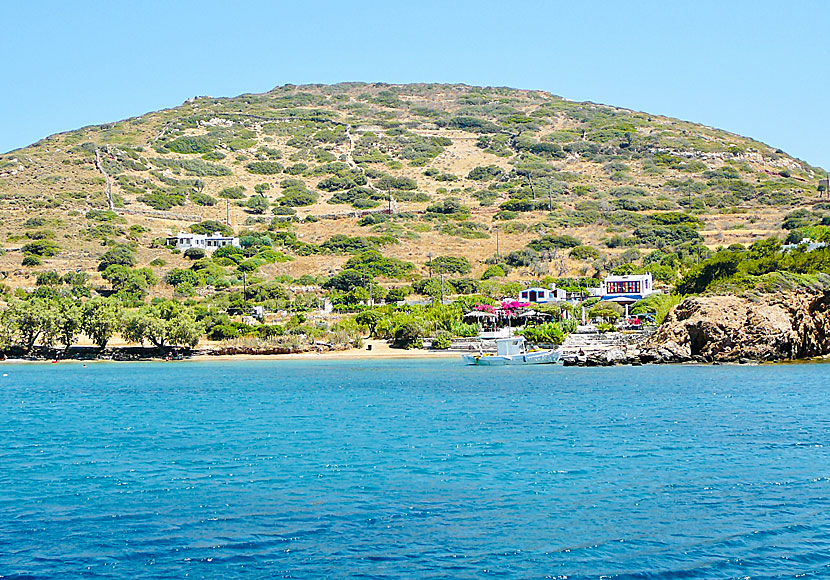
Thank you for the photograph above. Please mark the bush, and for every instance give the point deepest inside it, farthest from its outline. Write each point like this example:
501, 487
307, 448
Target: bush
194, 253
264, 167
203, 199
191, 145
30, 260
485, 173
548, 333
450, 207
208, 227
122, 255
236, 192
554, 242
449, 265
42, 248
584, 253
442, 340
408, 335
493, 271
192, 167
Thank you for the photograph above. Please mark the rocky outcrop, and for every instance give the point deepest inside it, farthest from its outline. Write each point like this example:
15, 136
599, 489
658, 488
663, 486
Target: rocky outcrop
738, 329
772, 327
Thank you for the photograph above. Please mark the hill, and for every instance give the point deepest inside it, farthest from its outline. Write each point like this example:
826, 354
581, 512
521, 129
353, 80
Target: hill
517, 182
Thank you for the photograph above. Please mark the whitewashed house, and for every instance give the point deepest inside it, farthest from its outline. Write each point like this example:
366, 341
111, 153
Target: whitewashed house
185, 241
542, 295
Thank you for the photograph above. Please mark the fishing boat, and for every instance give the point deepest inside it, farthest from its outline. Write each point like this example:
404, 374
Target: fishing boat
514, 351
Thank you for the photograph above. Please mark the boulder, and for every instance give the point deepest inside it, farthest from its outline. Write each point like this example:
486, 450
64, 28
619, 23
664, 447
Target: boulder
770, 327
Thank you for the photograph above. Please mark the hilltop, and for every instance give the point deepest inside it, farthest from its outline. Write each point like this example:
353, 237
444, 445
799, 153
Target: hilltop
521, 183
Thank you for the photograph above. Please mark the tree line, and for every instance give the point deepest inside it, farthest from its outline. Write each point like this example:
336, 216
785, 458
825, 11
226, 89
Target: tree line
60, 321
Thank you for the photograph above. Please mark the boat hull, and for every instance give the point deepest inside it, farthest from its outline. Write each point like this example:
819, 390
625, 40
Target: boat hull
531, 358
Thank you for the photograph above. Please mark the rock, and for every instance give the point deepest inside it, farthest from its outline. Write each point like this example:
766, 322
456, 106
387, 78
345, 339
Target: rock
772, 327
615, 356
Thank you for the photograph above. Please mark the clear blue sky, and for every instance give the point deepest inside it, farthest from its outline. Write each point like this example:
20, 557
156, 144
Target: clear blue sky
757, 68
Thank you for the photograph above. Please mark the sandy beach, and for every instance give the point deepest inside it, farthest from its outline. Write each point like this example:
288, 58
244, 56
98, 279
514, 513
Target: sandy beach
380, 350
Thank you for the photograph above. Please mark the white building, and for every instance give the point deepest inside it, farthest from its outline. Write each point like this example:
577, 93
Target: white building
184, 241
542, 295
808, 244
632, 286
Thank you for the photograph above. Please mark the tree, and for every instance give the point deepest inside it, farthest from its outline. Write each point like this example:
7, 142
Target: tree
208, 227
369, 319
605, 311
129, 283
67, 321
34, 319
194, 253
257, 204
100, 318
119, 255
449, 265
163, 323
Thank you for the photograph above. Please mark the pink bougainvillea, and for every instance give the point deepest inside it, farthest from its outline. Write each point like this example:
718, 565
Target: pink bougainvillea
510, 306
485, 308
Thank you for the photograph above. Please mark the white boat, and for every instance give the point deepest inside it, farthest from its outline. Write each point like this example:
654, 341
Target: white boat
514, 351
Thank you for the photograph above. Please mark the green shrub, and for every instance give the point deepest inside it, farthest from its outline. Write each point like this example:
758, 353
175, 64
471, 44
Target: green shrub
119, 255
442, 340
235, 192
584, 253
550, 242
194, 253
546, 333
208, 227
466, 230
203, 199
449, 265
264, 167
257, 204
42, 248
192, 167
449, 207
191, 145
493, 271
485, 173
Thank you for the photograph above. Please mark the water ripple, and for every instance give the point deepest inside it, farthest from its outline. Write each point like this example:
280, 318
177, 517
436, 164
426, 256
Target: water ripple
413, 469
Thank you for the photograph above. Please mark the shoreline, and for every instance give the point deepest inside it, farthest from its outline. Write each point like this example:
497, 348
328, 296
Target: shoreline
380, 351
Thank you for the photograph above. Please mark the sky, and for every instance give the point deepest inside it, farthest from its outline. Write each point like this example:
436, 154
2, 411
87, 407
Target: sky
757, 68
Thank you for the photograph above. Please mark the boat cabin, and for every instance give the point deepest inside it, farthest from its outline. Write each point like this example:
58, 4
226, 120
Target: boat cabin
510, 346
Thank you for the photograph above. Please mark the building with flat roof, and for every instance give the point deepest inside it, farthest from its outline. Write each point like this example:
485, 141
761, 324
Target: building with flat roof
628, 288
185, 241
541, 295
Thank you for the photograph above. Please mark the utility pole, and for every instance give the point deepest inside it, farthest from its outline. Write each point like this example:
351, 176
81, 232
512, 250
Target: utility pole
389, 197
429, 263
368, 283
442, 287
244, 291
228, 211
497, 241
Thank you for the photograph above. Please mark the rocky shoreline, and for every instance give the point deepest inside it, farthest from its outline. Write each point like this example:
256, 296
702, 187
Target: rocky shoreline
730, 329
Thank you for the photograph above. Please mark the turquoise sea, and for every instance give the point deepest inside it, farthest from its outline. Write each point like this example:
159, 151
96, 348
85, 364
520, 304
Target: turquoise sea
413, 470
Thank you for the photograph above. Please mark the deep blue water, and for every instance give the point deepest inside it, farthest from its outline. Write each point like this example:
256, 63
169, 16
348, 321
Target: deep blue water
413, 469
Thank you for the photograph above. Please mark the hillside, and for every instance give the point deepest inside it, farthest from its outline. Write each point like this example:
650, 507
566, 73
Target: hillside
465, 170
